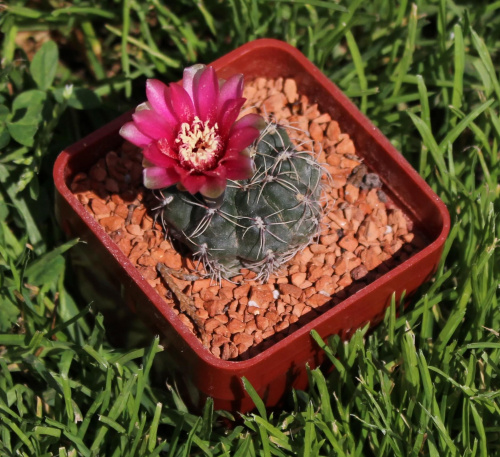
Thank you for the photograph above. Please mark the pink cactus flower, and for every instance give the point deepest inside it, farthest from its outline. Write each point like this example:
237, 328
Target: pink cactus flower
190, 134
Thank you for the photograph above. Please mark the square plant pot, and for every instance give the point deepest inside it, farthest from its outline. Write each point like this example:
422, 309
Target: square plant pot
282, 366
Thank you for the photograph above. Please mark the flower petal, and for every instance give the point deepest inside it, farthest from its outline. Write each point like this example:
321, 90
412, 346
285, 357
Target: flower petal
158, 177
158, 158
241, 138
131, 133
191, 76
193, 182
232, 88
166, 148
218, 172
238, 168
158, 94
206, 94
213, 187
150, 124
143, 106
229, 114
182, 104
250, 120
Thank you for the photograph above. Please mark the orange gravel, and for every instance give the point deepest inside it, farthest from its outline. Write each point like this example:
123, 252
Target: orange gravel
364, 235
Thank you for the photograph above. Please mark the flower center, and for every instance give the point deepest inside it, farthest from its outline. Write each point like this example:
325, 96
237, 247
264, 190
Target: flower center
199, 145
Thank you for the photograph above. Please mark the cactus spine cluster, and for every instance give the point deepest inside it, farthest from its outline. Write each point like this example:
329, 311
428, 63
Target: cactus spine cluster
263, 221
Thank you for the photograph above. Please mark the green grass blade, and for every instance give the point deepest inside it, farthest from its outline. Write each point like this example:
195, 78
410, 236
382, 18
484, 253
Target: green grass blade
259, 404
431, 144
359, 65
168, 60
485, 57
85, 11
459, 63
464, 123
408, 51
478, 421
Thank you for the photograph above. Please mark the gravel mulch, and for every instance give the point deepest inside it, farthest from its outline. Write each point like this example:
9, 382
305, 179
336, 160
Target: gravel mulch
364, 235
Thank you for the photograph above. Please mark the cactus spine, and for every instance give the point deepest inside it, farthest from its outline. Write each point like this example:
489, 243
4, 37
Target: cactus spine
263, 221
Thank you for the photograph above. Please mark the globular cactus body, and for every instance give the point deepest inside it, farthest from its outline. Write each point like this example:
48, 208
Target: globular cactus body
262, 222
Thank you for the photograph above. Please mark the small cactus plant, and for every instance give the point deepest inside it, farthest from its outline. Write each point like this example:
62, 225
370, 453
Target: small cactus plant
238, 195
262, 222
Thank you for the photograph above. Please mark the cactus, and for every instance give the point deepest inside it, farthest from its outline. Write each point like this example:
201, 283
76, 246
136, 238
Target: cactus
263, 221
233, 206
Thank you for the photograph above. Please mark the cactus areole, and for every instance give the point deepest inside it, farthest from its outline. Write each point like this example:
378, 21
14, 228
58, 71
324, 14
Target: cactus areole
237, 193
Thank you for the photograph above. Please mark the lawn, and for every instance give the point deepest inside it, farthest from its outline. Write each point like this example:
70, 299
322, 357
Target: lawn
424, 382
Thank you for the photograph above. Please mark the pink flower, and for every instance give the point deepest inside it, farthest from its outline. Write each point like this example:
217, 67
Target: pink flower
190, 135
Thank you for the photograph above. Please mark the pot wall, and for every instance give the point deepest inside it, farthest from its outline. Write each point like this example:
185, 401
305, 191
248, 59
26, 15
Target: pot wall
277, 369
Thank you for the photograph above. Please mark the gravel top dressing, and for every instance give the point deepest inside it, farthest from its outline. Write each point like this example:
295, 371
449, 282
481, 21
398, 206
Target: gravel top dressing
363, 235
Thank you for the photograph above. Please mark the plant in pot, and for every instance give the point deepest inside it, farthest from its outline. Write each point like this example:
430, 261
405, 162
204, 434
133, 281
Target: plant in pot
270, 234
236, 193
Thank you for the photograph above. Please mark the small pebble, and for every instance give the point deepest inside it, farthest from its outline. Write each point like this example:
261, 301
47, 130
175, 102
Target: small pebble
371, 180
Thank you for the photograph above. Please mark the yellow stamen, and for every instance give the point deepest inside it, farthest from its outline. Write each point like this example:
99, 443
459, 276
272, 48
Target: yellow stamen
199, 144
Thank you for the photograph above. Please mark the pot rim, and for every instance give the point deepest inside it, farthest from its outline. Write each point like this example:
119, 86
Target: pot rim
60, 179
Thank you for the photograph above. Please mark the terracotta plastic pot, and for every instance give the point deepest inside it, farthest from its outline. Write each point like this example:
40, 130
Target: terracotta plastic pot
277, 369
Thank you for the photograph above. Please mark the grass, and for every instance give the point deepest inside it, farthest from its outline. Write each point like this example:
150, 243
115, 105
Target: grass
425, 382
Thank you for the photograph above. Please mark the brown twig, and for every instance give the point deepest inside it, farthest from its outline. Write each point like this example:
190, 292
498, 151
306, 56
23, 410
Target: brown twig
131, 209
179, 274
186, 304
357, 175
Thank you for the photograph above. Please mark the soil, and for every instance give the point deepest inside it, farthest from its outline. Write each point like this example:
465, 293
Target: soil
364, 235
